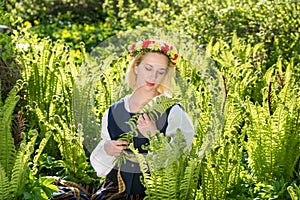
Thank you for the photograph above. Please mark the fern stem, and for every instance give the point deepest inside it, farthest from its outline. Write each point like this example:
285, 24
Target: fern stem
226, 92
269, 98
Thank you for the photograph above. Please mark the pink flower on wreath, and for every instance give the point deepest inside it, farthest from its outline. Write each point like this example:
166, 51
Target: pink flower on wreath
146, 43
165, 48
153, 46
132, 47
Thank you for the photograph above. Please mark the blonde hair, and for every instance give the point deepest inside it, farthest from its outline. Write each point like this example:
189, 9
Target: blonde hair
166, 84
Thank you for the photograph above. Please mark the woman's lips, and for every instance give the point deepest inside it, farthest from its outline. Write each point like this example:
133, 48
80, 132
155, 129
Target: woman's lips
149, 84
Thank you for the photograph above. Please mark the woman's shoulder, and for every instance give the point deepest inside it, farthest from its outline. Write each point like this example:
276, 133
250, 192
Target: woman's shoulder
121, 104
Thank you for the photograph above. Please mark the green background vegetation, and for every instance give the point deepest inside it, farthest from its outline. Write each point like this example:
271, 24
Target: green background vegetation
254, 44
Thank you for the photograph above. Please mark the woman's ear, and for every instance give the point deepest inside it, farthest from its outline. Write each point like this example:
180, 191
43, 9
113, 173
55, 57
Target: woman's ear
135, 69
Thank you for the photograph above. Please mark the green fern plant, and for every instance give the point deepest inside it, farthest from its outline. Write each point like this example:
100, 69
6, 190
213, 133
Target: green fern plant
49, 69
221, 167
166, 161
69, 140
171, 165
242, 65
7, 147
93, 92
17, 180
273, 129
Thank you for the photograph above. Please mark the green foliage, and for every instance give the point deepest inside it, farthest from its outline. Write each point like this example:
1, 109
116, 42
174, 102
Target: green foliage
169, 167
98, 84
252, 152
273, 23
70, 146
221, 167
272, 131
243, 66
56, 20
49, 70
7, 147
294, 191
49, 10
8, 66
17, 179
4, 184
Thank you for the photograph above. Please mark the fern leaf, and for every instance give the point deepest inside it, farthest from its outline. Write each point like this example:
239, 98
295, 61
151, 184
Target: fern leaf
190, 179
21, 162
1, 102
4, 185
7, 147
39, 151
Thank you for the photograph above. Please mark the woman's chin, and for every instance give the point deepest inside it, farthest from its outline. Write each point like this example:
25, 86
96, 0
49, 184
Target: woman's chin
148, 88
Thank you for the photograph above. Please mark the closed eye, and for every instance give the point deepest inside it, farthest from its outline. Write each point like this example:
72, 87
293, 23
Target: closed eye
148, 67
162, 72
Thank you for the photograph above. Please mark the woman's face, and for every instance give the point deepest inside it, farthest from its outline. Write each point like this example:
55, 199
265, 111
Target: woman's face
151, 71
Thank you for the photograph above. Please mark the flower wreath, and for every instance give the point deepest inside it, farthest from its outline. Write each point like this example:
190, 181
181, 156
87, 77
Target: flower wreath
154, 46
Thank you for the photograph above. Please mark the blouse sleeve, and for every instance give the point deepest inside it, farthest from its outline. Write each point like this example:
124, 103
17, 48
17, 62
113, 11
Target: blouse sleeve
100, 160
179, 119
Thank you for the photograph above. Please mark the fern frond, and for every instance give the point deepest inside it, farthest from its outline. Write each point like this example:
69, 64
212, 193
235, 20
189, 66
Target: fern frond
259, 141
7, 147
22, 162
164, 166
39, 151
220, 168
158, 106
69, 143
190, 180
275, 136
4, 185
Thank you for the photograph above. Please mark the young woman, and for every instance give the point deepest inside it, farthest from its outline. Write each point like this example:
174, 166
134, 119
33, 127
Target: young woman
150, 76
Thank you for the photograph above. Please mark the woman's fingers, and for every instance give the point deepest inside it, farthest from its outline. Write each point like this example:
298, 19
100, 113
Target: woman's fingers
146, 125
115, 147
120, 143
144, 120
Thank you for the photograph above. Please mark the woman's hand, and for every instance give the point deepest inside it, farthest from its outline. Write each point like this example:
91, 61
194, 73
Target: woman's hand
146, 126
114, 147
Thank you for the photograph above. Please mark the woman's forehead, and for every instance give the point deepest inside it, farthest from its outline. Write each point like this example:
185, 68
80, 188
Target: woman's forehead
155, 58
155, 65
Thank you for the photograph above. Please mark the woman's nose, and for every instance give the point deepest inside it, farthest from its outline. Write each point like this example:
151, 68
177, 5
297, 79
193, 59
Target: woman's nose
156, 75
153, 75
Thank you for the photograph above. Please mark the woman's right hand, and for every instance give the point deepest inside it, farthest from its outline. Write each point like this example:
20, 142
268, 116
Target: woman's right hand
114, 147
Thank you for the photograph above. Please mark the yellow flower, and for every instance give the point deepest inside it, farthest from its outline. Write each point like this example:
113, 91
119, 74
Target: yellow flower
156, 46
172, 53
138, 47
65, 34
27, 24
78, 52
36, 22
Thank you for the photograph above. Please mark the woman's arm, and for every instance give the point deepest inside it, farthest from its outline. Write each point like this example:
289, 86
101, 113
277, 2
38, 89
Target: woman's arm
179, 119
100, 160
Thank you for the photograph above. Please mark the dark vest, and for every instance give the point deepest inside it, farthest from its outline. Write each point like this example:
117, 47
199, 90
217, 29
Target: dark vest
130, 171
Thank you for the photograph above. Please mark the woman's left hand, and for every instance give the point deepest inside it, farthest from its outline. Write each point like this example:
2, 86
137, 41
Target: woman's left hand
146, 126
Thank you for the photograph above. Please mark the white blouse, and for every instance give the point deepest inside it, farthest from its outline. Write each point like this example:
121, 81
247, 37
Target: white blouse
178, 118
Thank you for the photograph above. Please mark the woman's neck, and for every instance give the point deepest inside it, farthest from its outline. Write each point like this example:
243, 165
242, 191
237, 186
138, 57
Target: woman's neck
138, 99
